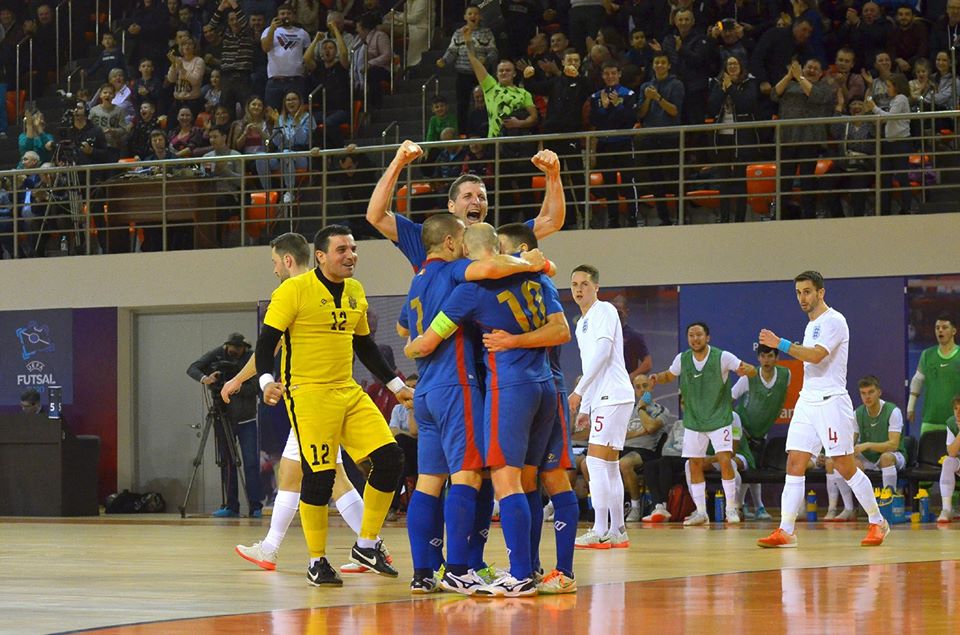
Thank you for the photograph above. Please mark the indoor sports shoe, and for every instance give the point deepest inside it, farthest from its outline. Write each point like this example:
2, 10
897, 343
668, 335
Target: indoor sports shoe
658, 515
225, 512
320, 573
633, 515
592, 540
557, 582
618, 540
762, 514
374, 558
749, 515
352, 567
733, 515
490, 573
779, 539
466, 584
831, 516
423, 585
548, 512
847, 515
259, 556
876, 534
509, 587
946, 516
256, 513
696, 518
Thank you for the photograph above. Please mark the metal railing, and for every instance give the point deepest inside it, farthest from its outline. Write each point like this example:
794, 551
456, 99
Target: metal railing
175, 204
323, 113
353, 84
395, 126
435, 80
29, 40
56, 17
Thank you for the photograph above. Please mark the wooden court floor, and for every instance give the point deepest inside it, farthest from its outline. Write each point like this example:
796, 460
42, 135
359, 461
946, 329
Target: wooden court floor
161, 574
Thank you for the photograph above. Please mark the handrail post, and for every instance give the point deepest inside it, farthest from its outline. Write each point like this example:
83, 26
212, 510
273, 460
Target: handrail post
96, 19
423, 100
496, 184
776, 182
30, 71
366, 85
163, 207
323, 190
587, 207
393, 15
16, 98
681, 190
56, 26
70, 32
87, 233
243, 198
878, 192
14, 209
323, 113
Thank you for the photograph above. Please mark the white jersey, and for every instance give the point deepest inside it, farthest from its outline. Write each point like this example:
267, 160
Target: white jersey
605, 381
829, 377
285, 59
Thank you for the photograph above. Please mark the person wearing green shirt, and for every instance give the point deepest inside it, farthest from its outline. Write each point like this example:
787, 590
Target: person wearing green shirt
760, 400
879, 443
708, 414
951, 464
937, 378
503, 98
442, 118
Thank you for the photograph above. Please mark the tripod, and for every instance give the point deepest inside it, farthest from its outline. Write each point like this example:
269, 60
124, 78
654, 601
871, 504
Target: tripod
215, 417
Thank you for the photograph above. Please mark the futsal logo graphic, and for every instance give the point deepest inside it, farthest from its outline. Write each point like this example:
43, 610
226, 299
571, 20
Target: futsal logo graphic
34, 339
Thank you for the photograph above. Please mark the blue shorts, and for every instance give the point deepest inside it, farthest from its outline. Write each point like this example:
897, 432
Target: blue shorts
449, 437
517, 423
559, 452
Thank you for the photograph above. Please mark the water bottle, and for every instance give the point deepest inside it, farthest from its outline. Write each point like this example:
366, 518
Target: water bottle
719, 506
64, 246
924, 498
898, 510
811, 506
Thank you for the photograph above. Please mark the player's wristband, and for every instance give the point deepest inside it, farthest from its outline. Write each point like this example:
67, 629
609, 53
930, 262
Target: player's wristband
265, 379
784, 345
396, 385
443, 326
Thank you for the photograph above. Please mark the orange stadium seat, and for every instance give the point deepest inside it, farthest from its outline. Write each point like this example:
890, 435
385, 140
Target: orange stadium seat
761, 186
705, 198
262, 210
403, 196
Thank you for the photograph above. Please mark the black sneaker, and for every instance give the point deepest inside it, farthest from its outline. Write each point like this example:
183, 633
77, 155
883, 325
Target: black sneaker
422, 585
374, 558
321, 573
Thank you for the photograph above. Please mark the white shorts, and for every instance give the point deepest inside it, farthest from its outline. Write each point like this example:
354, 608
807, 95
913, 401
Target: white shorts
827, 424
900, 462
695, 443
608, 425
291, 451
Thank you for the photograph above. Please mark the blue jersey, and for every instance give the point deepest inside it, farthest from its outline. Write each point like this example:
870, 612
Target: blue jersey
410, 242
517, 304
554, 351
455, 360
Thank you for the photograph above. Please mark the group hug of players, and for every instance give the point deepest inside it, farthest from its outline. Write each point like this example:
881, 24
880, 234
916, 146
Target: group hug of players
492, 413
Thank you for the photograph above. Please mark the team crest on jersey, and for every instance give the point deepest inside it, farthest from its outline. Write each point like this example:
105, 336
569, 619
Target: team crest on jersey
352, 301
816, 332
584, 322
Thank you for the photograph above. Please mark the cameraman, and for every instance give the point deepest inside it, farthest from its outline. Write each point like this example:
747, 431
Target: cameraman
87, 139
211, 370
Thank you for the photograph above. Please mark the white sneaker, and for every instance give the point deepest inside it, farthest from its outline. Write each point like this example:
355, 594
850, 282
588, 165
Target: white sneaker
259, 556
696, 518
847, 515
548, 512
946, 516
658, 515
508, 586
618, 540
633, 515
592, 540
831, 515
733, 515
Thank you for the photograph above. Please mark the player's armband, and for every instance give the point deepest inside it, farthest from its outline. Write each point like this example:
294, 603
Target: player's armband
443, 326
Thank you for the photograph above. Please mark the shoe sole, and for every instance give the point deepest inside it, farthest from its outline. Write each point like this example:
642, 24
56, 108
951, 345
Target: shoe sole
944, 522
597, 546
864, 543
386, 574
658, 519
563, 591
789, 545
424, 591
354, 568
621, 545
263, 564
320, 584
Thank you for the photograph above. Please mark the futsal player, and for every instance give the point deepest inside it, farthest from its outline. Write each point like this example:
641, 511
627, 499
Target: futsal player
322, 318
707, 415
291, 256
823, 417
448, 407
521, 398
951, 464
606, 394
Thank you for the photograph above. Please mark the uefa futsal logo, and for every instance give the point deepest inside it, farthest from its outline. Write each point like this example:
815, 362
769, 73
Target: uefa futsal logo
34, 339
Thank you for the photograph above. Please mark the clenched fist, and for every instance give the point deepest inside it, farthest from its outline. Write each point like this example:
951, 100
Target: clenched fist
408, 152
547, 162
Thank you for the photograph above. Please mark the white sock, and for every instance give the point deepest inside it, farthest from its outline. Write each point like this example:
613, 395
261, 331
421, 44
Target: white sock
889, 475
284, 509
948, 480
698, 491
600, 493
634, 503
730, 491
686, 471
615, 480
833, 490
790, 501
742, 494
863, 490
755, 489
350, 506
845, 493
737, 499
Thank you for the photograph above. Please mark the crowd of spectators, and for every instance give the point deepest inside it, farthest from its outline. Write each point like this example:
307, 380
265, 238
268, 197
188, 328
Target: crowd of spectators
185, 67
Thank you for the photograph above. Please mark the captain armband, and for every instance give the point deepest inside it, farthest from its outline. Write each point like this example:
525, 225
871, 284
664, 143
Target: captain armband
443, 326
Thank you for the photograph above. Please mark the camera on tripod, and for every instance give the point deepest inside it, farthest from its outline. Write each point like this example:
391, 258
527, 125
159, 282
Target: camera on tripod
225, 370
